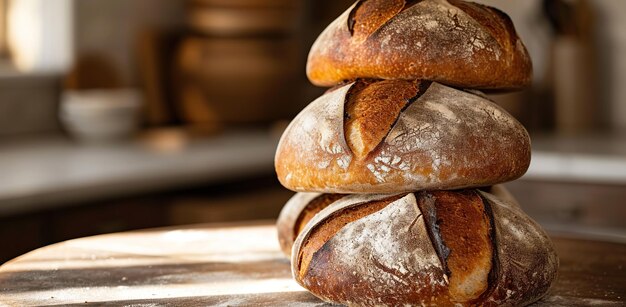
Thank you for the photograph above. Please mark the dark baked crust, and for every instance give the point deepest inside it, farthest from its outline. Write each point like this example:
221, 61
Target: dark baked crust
366, 250
527, 263
297, 212
458, 43
444, 139
465, 229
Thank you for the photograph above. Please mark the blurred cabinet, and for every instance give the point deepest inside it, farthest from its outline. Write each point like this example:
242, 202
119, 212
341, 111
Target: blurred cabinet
239, 62
20, 235
249, 205
236, 80
243, 61
249, 199
105, 218
573, 207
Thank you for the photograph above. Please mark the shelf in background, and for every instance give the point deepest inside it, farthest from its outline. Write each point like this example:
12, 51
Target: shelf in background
52, 172
582, 159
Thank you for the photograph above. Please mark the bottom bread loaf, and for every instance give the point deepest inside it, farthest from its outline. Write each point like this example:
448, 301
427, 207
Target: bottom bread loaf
466, 247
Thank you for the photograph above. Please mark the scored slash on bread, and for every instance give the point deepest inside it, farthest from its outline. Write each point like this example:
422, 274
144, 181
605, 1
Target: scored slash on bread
372, 109
459, 43
370, 250
368, 16
303, 206
297, 212
454, 215
394, 135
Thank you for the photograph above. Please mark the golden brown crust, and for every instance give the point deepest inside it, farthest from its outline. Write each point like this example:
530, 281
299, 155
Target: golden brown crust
526, 261
297, 212
371, 111
313, 208
368, 16
452, 42
465, 229
445, 139
383, 254
287, 219
318, 237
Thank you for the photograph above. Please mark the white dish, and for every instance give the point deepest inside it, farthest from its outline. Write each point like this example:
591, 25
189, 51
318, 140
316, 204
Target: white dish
100, 114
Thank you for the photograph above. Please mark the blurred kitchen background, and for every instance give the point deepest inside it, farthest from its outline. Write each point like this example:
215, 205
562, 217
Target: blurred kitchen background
125, 114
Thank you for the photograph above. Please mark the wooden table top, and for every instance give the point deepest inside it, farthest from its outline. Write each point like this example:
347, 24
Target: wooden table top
237, 265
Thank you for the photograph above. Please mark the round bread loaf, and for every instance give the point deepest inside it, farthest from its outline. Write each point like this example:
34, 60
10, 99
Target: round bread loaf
395, 136
302, 207
439, 248
458, 43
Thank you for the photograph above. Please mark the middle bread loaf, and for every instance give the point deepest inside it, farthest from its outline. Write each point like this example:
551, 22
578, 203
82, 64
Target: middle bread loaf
396, 136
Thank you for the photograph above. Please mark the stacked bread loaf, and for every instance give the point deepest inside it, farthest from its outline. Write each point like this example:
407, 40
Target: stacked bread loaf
399, 163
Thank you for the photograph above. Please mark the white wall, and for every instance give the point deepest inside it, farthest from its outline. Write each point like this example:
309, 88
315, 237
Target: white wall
610, 18
52, 32
40, 35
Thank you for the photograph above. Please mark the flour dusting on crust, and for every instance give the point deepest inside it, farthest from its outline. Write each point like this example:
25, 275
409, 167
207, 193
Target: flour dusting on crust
343, 203
314, 136
437, 24
389, 253
382, 237
431, 134
528, 263
288, 216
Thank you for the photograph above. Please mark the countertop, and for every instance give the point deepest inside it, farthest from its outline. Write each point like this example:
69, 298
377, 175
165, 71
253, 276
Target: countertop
239, 265
43, 173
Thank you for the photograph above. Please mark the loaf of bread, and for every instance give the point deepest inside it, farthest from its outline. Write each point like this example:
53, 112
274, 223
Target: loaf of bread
439, 248
395, 136
453, 42
302, 207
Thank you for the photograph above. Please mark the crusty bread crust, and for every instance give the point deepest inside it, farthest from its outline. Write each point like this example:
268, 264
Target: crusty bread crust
287, 218
458, 43
312, 208
297, 212
387, 257
303, 206
371, 111
465, 230
527, 263
445, 139
318, 236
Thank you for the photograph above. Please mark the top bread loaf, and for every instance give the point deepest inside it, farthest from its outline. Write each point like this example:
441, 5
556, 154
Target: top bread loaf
452, 42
